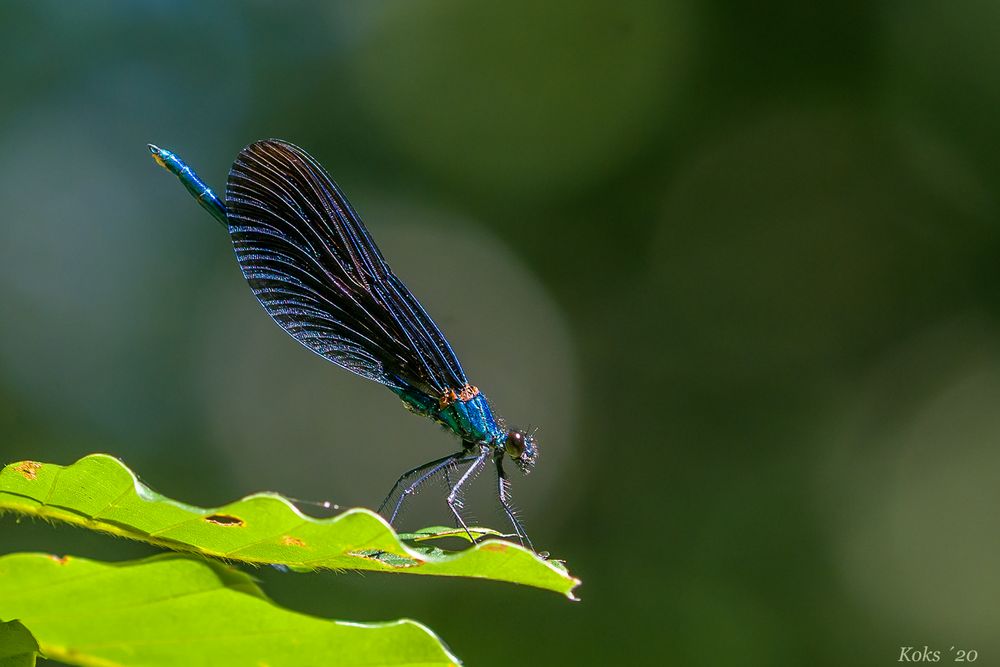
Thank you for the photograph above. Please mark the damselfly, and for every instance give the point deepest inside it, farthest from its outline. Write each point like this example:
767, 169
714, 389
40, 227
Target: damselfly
318, 273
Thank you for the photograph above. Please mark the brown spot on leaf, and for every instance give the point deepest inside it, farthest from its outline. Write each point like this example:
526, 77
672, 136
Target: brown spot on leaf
290, 541
494, 546
224, 520
28, 469
62, 560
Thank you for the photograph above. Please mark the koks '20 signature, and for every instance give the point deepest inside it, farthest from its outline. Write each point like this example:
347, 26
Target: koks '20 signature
928, 654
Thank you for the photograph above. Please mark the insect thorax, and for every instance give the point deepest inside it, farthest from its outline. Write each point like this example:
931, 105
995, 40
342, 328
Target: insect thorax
464, 412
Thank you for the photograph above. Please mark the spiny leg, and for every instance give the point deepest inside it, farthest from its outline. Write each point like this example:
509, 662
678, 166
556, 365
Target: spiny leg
453, 498
503, 493
432, 469
447, 479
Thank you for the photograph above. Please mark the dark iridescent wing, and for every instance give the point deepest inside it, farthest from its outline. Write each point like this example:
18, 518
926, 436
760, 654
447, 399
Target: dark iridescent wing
313, 266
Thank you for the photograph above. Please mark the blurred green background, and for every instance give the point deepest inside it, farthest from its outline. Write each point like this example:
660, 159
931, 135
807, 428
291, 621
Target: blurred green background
737, 262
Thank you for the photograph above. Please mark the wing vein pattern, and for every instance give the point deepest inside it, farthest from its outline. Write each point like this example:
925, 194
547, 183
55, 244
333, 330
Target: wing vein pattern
316, 270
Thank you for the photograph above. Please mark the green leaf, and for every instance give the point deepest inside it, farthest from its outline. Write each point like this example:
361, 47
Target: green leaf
441, 532
98, 492
174, 609
18, 647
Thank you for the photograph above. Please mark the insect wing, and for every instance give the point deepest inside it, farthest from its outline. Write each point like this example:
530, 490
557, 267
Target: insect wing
316, 270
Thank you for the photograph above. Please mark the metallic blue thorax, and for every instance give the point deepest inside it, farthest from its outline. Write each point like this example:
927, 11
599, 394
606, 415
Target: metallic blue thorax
472, 419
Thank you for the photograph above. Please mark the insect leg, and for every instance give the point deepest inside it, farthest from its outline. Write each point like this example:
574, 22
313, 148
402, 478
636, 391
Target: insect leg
404, 488
454, 502
503, 493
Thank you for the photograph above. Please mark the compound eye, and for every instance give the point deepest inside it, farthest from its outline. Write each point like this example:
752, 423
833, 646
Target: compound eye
515, 444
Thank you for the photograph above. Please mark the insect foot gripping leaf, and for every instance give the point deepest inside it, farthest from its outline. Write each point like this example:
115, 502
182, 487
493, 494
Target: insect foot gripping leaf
98, 492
